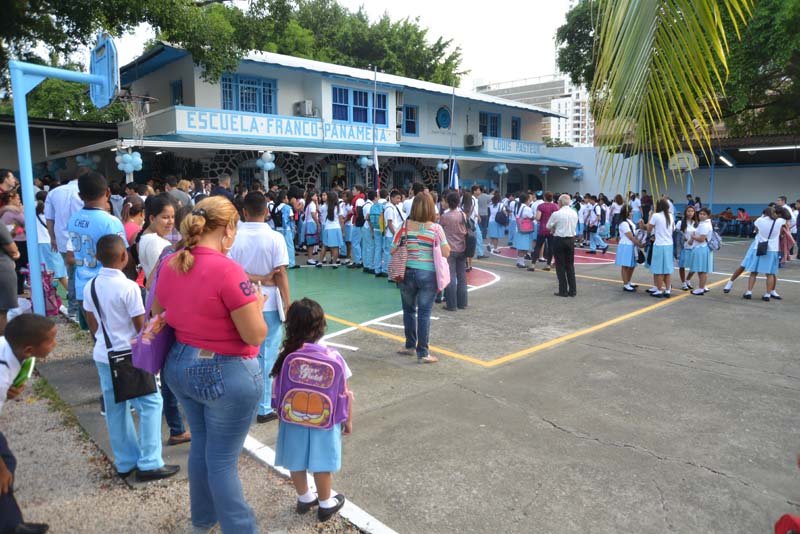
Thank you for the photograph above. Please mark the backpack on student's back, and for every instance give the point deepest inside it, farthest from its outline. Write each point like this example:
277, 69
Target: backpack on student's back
311, 389
376, 220
714, 241
502, 217
359, 218
602, 215
276, 215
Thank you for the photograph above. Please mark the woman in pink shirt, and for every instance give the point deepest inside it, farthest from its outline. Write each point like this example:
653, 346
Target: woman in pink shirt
212, 368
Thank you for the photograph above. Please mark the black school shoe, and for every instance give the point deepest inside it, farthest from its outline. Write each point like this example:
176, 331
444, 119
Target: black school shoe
305, 507
157, 474
323, 514
31, 528
266, 418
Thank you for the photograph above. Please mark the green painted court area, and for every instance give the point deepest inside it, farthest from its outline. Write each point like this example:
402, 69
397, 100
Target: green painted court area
348, 294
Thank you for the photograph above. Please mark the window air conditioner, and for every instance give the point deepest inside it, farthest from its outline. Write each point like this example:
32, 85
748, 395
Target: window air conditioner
473, 140
398, 95
304, 108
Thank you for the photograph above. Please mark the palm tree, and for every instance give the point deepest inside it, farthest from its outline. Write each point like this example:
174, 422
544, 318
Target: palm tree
661, 68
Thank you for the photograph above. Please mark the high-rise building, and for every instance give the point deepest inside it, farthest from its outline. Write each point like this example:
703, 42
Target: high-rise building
556, 93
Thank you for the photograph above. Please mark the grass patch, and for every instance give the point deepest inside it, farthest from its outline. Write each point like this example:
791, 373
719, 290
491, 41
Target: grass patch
43, 390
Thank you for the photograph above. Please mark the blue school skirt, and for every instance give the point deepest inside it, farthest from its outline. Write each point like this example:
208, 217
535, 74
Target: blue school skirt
766, 264
496, 230
300, 448
52, 260
332, 238
702, 260
579, 229
522, 242
637, 216
348, 232
662, 262
685, 260
626, 256
751, 254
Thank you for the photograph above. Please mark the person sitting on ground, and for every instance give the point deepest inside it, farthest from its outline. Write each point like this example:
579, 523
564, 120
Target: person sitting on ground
119, 317
305, 448
26, 336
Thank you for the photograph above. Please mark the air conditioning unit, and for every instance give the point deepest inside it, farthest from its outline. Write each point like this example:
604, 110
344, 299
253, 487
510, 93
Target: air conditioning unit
399, 118
398, 96
304, 108
473, 140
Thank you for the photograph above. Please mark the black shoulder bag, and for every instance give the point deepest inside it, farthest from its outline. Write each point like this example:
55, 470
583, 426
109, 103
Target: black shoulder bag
128, 381
761, 248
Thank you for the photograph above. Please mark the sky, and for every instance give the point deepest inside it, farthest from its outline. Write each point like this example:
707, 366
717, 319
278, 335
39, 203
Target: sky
501, 40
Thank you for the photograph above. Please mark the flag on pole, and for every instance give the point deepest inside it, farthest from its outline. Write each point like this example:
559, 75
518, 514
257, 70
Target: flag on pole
454, 175
377, 167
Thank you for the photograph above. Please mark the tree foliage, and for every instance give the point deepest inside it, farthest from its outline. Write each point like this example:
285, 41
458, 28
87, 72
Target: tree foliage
575, 41
218, 34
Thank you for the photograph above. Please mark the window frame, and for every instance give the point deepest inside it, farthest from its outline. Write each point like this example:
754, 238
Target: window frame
371, 110
415, 121
516, 122
486, 129
233, 83
173, 85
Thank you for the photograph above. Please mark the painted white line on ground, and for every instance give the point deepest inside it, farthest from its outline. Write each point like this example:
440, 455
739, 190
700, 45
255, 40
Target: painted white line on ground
762, 278
487, 284
346, 347
388, 325
350, 511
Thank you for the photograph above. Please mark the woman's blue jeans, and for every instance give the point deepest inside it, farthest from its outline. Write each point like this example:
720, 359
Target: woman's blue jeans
418, 289
219, 395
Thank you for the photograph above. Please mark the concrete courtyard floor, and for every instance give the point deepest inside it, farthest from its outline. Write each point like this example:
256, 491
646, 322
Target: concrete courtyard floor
607, 413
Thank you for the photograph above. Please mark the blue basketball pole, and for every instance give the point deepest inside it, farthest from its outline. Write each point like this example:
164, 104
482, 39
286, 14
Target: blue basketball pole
24, 78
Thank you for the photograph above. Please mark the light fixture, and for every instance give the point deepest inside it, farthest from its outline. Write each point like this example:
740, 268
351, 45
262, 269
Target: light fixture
564, 168
726, 161
767, 148
159, 152
114, 149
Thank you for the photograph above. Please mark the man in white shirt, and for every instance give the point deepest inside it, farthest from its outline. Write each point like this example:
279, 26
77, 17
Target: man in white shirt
357, 221
119, 318
367, 239
394, 217
262, 253
593, 220
562, 226
27, 335
380, 264
61, 203
416, 188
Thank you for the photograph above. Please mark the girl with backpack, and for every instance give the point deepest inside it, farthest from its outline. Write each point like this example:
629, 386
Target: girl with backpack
523, 214
311, 396
331, 231
311, 224
702, 257
687, 228
627, 250
496, 229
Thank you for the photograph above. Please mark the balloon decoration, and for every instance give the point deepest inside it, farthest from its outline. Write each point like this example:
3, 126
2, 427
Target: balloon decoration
501, 169
266, 162
365, 162
90, 162
577, 175
128, 162
442, 166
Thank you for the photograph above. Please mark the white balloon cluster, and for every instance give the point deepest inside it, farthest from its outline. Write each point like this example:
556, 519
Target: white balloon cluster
501, 168
87, 161
365, 162
266, 161
442, 166
129, 162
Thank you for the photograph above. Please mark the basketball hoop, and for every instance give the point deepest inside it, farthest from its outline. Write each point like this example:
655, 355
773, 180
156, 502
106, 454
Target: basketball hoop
137, 107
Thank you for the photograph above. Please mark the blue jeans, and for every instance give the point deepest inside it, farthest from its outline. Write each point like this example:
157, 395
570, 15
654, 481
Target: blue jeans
367, 248
219, 396
288, 235
387, 253
71, 298
595, 241
170, 409
142, 452
512, 230
355, 244
379, 263
417, 290
267, 354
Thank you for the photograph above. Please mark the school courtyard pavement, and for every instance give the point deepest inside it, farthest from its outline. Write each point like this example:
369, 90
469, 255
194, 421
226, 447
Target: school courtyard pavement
606, 413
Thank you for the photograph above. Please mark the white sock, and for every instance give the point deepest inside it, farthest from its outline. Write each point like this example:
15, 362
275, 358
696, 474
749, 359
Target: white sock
310, 496
728, 285
329, 503
748, 292
766, 295
774, 293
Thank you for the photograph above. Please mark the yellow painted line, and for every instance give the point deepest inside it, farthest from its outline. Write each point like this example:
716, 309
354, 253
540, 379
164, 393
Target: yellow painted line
431, 348
580, 333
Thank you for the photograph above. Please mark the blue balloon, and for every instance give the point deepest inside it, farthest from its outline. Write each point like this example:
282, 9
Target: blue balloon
136, 156
260, 163
127, 158
269, 166
137, 166
121, 166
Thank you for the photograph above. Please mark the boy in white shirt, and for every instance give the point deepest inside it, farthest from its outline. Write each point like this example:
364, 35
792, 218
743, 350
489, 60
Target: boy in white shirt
119, 319
262, 253
367, 239
394, 217
380, 264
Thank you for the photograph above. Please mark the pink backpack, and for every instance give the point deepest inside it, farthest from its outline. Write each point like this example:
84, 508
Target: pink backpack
311, 388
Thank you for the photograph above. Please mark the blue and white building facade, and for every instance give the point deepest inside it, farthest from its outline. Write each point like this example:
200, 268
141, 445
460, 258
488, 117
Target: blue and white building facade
319, 118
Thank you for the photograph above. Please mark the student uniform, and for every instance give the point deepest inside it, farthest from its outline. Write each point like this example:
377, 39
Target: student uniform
393, 213
523, 242
10, 514
355, 232
332, 230
662, 261
379, 263
344, 211
511, 205
626, 250
593, 219
311, 228
685, 259
702, 258
768, 263
636, 210
496, 230
287, 229
260, 250
121, 299
367, 239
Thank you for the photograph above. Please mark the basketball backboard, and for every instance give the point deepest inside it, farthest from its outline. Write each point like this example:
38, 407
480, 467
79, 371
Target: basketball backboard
103, 62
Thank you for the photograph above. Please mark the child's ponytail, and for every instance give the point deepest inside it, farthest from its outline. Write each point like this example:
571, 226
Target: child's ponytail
305, 323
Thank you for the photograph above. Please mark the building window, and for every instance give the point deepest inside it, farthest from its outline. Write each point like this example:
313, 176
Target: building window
341, 104
360, 106
250, 94
380, 109
516, 128
176, 90
356, 105
410, 125
489, 124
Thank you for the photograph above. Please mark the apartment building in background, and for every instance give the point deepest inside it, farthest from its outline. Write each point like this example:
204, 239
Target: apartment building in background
556, 93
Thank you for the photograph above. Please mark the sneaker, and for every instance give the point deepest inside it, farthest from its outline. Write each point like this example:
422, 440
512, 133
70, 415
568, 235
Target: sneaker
542, 260
428, 359
266, 418
520, 266
318, 265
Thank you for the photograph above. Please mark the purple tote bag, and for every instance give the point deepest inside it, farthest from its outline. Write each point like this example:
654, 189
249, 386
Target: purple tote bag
151, 346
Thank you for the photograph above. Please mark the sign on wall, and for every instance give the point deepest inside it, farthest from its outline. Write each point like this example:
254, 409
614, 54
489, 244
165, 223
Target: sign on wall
196, 121
500, 145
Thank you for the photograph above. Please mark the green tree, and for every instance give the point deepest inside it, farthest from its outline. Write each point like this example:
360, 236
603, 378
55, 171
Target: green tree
576, 40
554, 142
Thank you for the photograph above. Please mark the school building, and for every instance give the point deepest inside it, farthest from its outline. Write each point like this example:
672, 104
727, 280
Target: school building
319, 118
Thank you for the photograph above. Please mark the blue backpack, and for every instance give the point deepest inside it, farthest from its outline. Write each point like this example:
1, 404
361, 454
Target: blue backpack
376, 220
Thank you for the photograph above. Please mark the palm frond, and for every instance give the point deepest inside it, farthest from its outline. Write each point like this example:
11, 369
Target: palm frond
661, 69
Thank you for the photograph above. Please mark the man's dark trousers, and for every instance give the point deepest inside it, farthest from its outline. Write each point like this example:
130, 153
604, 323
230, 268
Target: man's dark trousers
564, 252
10, 514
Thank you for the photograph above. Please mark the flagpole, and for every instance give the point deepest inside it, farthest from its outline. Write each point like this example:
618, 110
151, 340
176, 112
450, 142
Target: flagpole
452, 128
374, 146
